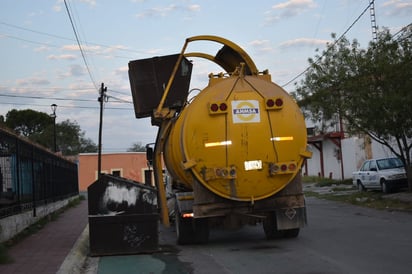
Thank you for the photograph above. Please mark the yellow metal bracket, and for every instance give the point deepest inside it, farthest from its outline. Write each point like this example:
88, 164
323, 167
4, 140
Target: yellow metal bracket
229, 58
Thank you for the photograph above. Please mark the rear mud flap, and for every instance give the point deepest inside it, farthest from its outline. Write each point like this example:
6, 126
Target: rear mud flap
291, 218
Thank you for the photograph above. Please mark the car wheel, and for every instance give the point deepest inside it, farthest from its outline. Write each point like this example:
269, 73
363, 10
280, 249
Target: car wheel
361, 188
385, 187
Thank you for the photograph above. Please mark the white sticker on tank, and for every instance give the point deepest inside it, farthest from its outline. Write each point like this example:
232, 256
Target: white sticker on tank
246, 111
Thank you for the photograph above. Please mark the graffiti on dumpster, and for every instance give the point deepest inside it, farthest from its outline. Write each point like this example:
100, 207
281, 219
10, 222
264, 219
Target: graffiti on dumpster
116, 197
132, 237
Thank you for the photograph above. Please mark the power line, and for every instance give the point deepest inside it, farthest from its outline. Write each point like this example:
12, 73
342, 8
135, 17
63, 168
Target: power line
80, 46
120, 92
119, 100
48, 98
333, 44
64, 38
63, 106
56, 46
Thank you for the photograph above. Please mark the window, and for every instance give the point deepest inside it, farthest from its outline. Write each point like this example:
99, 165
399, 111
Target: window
372, 166
117, 172
365, 166
102, 172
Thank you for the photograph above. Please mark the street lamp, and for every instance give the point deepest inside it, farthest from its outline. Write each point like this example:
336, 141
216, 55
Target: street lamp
53, 115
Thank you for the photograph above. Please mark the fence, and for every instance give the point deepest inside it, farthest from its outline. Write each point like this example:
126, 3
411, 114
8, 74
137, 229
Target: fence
31, 176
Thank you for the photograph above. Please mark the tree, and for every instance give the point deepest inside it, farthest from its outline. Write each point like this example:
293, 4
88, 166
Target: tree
28, 122
71, 139
137, 147
39, 128
369, 89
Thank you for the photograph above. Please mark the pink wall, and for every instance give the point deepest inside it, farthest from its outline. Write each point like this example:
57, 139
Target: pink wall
131, 165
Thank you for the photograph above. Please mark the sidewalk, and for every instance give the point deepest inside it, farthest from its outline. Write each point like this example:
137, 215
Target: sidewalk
46, 250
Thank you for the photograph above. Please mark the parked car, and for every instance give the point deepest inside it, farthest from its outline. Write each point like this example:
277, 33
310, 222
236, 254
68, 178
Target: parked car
386, 174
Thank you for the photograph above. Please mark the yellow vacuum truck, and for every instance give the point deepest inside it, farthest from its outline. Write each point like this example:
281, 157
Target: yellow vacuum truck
233, 153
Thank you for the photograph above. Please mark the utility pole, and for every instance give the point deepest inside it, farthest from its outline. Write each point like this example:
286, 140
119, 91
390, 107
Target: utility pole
53, 115
373, 20
101, 100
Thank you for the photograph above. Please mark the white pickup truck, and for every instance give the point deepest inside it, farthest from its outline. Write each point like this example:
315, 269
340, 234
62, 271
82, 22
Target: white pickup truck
385, 174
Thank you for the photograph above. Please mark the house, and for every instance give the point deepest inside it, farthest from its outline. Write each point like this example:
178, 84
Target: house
129, 165
336, 155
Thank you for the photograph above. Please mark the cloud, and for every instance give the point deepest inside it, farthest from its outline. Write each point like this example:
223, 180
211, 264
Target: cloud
397, 8
84, 47
115, 48
62, 57
164, 11
89, 2
42, 49
261, 45
303, 42
194, 8
58, 6
288, 9
74, 71
77, 71
96, 49
121, 70
32, 81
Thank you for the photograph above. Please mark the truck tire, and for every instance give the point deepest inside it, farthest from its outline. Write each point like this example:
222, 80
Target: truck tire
292, 233
184, 231
184, 228
201, 231
270, 227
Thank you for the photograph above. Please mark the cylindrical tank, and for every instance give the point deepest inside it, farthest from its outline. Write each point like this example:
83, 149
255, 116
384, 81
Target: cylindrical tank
242, 137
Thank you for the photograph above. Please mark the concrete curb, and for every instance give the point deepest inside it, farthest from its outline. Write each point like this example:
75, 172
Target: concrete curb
77, 257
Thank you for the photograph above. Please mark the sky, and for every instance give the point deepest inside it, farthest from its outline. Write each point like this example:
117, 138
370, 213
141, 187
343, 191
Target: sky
42, 63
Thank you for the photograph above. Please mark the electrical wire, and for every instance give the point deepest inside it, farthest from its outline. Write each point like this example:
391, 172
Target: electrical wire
333, 44
80, 46
63, 106
119, 100
63, 38
48, 98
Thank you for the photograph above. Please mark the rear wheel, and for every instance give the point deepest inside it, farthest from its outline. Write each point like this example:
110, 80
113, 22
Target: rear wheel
201, 231
271, 228
184, 231
184, 228
292, 233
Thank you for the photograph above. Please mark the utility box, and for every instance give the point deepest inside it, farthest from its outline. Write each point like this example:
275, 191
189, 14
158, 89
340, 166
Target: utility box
123, 217
149, 78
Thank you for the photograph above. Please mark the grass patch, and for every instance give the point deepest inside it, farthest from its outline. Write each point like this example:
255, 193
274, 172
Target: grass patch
319, 181
4, 255
372, 199
32, 229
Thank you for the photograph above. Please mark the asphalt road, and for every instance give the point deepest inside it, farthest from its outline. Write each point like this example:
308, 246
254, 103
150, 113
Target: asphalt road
339, 238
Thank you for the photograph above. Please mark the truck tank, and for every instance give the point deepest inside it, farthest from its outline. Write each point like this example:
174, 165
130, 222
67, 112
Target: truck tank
243, 138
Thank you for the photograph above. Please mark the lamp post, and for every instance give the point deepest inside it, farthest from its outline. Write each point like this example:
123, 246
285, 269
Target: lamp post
53, 115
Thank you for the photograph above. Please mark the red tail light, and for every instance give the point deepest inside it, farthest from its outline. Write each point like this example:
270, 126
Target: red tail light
279, 102
223, 107
214, 107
